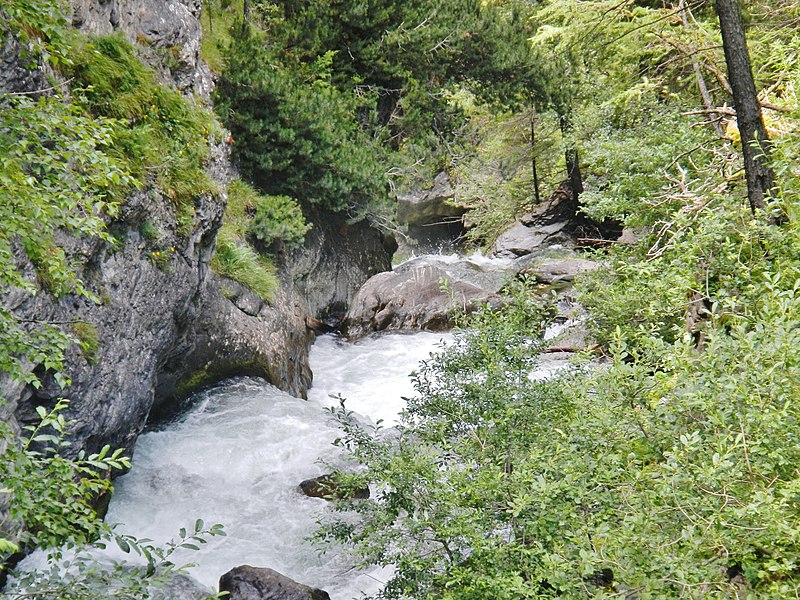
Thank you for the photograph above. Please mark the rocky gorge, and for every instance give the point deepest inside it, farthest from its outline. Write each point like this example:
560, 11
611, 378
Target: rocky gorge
165, 325
161, 329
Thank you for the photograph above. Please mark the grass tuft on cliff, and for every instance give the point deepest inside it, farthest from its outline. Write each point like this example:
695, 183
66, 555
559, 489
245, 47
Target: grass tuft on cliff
240, 262
159, 135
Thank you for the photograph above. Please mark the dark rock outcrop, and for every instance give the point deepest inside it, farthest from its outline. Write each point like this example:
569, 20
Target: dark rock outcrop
146, 300
170, 31
338, 256
235, 333
253, 583
433, 216
547, 224
328, 486
428, 206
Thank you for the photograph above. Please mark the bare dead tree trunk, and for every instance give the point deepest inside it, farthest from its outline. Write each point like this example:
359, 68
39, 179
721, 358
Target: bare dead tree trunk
755, 142
705, 95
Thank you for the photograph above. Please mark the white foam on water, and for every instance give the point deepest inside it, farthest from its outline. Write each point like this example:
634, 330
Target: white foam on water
237, 457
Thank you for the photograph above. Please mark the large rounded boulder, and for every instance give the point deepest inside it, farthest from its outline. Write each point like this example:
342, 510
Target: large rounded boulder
425, 293
254, 583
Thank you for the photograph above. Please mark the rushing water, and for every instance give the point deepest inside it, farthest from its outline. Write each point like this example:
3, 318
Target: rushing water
237, 457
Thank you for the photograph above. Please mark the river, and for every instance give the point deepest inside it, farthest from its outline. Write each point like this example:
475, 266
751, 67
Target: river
237, 456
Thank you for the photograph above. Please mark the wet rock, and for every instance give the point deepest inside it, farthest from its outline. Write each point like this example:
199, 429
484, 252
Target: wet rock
555, 270
181, 587
432, 217
422, 296
328, 486
428, 206
338, 256
253, 583
521, 239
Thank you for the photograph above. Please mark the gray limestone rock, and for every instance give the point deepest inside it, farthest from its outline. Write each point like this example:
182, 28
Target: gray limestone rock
556, 270
170, 30
422, 296
181, 587
253, 583
546, 224
426, 206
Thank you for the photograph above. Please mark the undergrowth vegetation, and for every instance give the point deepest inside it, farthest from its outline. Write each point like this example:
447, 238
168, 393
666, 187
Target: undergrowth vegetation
666, 467
668, 470
255, 224
160, 137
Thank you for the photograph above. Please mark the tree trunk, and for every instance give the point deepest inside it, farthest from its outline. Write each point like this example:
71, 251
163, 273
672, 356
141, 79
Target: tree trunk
755, 142
705, 95
533, 156
571, 159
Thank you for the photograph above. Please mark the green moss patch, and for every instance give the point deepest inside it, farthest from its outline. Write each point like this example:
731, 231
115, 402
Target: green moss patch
88, 338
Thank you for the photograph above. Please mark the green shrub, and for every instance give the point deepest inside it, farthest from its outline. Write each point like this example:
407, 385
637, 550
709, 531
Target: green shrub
238, 261
49, 497
294, 134
668, 473
268, 219
278, 219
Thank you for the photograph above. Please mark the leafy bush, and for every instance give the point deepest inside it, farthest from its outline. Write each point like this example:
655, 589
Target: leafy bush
58, 173
635, 167
48, 498
666, 472
268, 219
84, 577
240, 262
278, 218
41, 29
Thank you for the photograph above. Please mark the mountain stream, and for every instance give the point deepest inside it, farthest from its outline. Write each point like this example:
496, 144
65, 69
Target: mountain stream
237, 457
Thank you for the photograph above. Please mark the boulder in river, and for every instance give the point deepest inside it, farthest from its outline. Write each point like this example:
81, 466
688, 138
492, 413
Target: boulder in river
554, 270
328, 486
254, 583
181, 587
548, 223
424, 294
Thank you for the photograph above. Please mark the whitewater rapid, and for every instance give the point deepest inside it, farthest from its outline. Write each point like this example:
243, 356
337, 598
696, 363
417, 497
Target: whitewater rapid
237, 456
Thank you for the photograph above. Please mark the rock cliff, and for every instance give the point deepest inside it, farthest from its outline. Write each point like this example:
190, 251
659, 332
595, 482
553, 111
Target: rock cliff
164, 327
